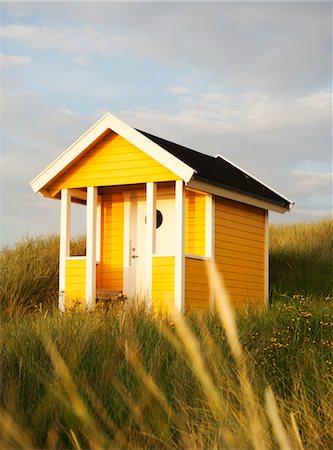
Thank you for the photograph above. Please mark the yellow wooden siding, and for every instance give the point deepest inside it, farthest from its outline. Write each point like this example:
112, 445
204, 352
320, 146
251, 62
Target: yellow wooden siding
75, 282
240, 251
112, 161
163, 283
195, 212
197, 285
112, 236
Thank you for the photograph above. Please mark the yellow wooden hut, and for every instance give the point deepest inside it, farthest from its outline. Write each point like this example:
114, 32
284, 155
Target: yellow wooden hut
156, 214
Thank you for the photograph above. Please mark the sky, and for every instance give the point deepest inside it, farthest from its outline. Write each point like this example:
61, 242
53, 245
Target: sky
251, 81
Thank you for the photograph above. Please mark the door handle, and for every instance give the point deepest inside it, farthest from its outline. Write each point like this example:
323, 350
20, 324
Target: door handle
135, 256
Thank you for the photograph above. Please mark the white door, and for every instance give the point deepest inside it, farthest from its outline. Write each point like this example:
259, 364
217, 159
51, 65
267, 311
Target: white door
137, 248
165, 226
164, 239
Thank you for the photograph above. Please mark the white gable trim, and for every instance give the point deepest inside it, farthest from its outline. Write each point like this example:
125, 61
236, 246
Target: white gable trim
233, 195
108, 121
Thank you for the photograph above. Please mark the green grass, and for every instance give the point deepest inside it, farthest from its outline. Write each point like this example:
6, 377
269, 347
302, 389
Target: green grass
134, 375
128, 379
301, 258
29, 274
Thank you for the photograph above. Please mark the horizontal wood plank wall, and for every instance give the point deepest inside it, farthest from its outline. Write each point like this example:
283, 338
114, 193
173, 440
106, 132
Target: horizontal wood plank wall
163, 285
112, 161
197, 285
195, 211
240, 251
75, 284
112, 236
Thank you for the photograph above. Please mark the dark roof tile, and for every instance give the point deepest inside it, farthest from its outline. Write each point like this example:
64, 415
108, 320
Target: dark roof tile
220, 172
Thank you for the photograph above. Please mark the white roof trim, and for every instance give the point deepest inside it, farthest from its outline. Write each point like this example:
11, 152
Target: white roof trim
108, 121
233, 195
291, 203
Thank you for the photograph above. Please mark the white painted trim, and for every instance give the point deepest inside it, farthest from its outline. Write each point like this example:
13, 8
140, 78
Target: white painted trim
180, 244
91, 247
150, 236
232, 195
266, 258
65, 225
110, 122
98, 228
72, 152
257, 179
163, 255
126, 250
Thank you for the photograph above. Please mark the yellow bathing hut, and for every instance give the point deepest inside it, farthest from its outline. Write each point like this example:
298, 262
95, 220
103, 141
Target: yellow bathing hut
157, 215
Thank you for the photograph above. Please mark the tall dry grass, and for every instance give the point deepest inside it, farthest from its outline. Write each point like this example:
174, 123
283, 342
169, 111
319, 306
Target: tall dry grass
135, 380
301, 258
29, 274
128, 379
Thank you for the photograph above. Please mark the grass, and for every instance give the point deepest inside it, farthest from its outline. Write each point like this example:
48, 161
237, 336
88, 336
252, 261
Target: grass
129, 379
301, 258
29, 274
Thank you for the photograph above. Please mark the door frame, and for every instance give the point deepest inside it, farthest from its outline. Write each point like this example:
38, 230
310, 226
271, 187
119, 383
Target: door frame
128, 198
149, 194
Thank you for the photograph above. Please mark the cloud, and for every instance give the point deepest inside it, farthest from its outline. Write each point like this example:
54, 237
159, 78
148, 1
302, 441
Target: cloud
315, 214
11, 60
79, 43
269, 136
44, 132
314, 178
295, 128
258, 111
251, 81
34, 134
178, 90
275, 47
81, 60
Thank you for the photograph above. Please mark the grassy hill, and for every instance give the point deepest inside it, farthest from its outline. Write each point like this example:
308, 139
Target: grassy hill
300, 263
127, 379
301, 258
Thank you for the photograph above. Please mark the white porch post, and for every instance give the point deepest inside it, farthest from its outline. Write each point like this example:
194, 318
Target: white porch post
150, 236
98, 228
179, 244
91, 247
65, 222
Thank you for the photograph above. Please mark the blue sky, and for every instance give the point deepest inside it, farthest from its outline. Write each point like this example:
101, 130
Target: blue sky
249, 80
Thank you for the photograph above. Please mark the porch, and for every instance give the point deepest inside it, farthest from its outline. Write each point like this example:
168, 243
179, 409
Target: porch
149, 240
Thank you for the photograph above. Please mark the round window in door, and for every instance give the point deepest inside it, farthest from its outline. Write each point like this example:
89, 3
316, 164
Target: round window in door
159, 218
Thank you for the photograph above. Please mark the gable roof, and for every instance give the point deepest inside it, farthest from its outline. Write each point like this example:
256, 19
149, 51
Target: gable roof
188, 164
106, 123
221, 172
